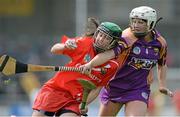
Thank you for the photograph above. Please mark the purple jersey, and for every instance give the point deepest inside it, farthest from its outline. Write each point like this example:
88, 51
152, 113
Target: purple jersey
130, 82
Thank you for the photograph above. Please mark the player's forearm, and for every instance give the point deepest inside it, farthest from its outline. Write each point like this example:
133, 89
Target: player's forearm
93, 94
162, 70
58, 48
102, 58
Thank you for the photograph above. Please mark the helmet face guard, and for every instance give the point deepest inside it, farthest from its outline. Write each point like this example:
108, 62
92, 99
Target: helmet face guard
110, 32
145, 13
108, 43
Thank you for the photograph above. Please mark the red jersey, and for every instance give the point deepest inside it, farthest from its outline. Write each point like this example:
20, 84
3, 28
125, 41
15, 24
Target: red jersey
79, 56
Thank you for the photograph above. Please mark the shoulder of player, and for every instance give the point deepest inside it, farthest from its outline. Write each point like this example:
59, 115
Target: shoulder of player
161, 39
128, 36
84, 39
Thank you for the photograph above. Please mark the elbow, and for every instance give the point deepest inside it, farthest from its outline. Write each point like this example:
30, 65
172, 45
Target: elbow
57, 48
111, 54
53, 50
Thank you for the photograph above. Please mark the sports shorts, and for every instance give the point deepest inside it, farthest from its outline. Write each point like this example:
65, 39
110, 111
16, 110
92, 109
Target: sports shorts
53, 100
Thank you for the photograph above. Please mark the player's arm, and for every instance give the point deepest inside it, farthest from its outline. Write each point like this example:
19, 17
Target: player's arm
102, 58
99, 59
162, 70
161, 74
58, 48
93, 94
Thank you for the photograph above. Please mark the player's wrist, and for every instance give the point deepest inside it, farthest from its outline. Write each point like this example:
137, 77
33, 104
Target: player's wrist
90, 64
65, 46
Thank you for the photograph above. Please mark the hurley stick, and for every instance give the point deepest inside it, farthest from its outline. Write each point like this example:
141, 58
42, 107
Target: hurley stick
87, 86
10, 66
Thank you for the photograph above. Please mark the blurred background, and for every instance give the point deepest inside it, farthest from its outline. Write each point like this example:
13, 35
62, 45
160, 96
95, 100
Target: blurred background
29, 28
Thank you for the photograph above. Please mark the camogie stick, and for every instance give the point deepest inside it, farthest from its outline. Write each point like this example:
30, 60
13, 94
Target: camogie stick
10, 66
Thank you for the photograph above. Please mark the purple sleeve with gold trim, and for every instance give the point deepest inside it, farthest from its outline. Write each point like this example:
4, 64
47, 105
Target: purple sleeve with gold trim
121, 46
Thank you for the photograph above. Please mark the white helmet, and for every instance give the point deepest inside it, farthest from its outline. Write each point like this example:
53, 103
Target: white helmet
146, 13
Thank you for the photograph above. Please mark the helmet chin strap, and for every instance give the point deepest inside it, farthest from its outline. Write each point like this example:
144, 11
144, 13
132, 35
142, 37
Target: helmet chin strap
113, 44
97, 49
140, 35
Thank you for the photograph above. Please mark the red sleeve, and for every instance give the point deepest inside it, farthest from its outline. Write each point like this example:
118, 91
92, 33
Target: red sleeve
109, 72
64, 38
108, 77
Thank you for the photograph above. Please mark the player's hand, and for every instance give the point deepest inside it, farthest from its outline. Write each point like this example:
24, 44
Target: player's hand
86, 68
166, 91
83, 111
71, 44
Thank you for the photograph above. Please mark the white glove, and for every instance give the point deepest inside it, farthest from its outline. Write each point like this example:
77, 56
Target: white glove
83, 111
70, 44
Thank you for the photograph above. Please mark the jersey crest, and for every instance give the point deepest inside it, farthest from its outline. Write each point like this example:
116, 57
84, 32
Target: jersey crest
87, 58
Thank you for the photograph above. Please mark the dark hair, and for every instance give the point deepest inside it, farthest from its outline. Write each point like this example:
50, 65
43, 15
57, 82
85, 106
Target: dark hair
91, 26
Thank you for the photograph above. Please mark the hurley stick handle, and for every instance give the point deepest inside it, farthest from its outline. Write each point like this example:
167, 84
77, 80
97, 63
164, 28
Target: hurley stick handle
76, 69
84, 98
